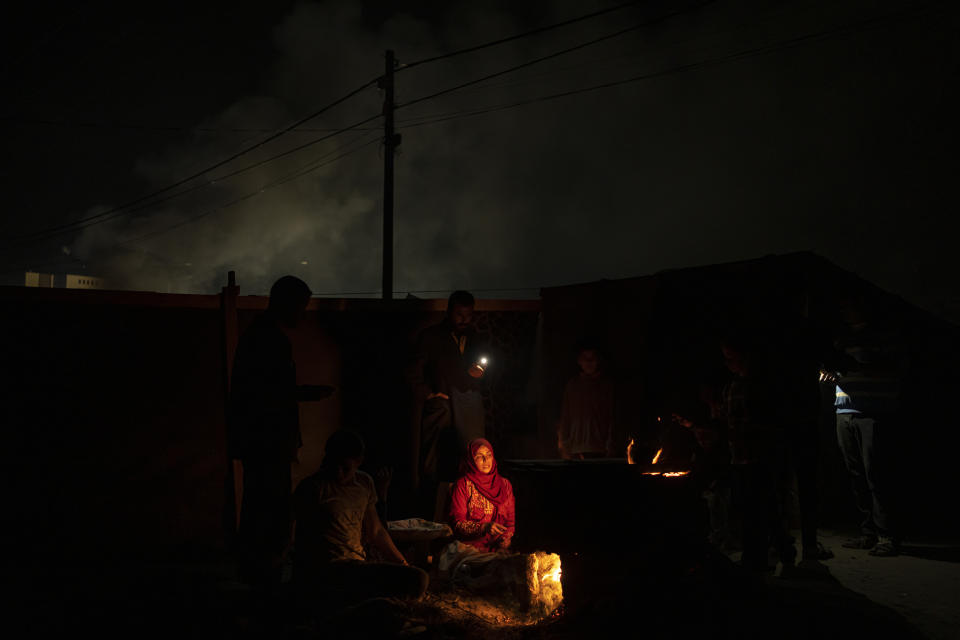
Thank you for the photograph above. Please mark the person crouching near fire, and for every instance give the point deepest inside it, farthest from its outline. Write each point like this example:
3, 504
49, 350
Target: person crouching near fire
482, 507
335, 511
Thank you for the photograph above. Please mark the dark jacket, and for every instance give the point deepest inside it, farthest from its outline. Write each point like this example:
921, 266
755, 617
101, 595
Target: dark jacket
439, 367
263, 419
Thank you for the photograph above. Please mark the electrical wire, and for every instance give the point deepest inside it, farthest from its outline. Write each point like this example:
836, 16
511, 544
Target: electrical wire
161, 128
739, 55
299, 173
117, 212
72, 226
555, 54
525, 34
149, 201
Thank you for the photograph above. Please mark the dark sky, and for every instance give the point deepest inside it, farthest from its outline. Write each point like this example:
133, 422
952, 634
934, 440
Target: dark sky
835, 132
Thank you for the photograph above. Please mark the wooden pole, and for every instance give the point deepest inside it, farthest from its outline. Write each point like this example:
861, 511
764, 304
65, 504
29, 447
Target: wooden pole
234, 481
390, 141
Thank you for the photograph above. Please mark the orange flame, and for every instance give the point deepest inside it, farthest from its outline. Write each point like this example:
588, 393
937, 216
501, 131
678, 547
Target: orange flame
657, 457
553, 576
630, 457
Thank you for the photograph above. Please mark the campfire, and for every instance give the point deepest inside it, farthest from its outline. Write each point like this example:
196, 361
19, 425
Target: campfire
505, 590
665, 474
543, 580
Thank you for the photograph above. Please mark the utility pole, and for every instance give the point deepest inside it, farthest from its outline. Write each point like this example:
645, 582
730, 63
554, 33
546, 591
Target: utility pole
391, 141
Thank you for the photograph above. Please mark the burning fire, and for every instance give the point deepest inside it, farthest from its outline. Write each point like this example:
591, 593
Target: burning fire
666, 474
657, 457
545, 588
553, 576
629, 453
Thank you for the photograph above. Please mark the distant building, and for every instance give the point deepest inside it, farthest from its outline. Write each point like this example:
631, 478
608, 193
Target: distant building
84, 282
34, 279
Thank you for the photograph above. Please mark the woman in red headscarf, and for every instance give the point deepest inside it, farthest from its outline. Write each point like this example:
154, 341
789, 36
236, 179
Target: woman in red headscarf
482, 505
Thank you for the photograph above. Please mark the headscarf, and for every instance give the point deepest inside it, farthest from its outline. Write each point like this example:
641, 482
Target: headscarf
490, 485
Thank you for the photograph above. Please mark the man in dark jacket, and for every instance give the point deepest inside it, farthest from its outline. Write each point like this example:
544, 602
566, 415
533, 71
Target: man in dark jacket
264, 430
445, 378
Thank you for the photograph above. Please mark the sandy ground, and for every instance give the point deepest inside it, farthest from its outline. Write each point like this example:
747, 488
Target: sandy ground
918, 589
922, 584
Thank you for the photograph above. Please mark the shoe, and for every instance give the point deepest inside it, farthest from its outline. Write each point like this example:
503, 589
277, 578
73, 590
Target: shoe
818, 552
862, 542
885, 548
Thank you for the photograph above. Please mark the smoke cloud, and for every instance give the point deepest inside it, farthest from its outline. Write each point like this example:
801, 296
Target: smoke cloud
831, 145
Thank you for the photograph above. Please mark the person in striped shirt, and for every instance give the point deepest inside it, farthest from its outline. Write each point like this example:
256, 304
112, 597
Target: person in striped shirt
867, 405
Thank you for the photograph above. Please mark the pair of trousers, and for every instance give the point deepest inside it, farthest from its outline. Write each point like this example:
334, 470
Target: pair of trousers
860, 443
761, 490
266, 521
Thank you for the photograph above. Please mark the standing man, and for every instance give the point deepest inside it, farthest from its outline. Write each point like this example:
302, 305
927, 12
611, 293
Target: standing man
759, 450
868, 403
264, 431
801, 355
445, 377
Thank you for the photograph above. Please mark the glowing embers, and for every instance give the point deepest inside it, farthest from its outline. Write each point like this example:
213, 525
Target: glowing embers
501, 590
544, 584
665, 474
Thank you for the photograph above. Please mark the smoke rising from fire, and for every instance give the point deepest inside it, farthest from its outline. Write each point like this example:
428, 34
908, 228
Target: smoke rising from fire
768, 154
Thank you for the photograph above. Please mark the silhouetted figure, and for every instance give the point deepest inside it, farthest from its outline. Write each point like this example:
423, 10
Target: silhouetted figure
445, 376
586, 426
868, 394
706, 420
265, 430
335, 514
801, 355
759, 452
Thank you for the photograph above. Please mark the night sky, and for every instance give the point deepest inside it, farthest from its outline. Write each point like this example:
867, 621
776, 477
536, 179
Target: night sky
835, 131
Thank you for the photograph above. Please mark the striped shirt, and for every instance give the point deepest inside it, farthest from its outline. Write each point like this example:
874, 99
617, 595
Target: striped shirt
873, 384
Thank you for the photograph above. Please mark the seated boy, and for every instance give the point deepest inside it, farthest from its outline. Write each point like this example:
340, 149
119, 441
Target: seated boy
335, 513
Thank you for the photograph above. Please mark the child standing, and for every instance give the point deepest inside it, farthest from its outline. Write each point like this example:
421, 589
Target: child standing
587, 414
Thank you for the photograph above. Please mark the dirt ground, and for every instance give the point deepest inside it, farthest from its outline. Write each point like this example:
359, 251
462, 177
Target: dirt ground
915, 595
922, 584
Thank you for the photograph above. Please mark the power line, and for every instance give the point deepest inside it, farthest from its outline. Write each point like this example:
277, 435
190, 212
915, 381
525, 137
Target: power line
518, 36
302, 171
531, 79
747, 53
125, 209
117, 212
555, 54
74, 124
299, 173
119, 209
